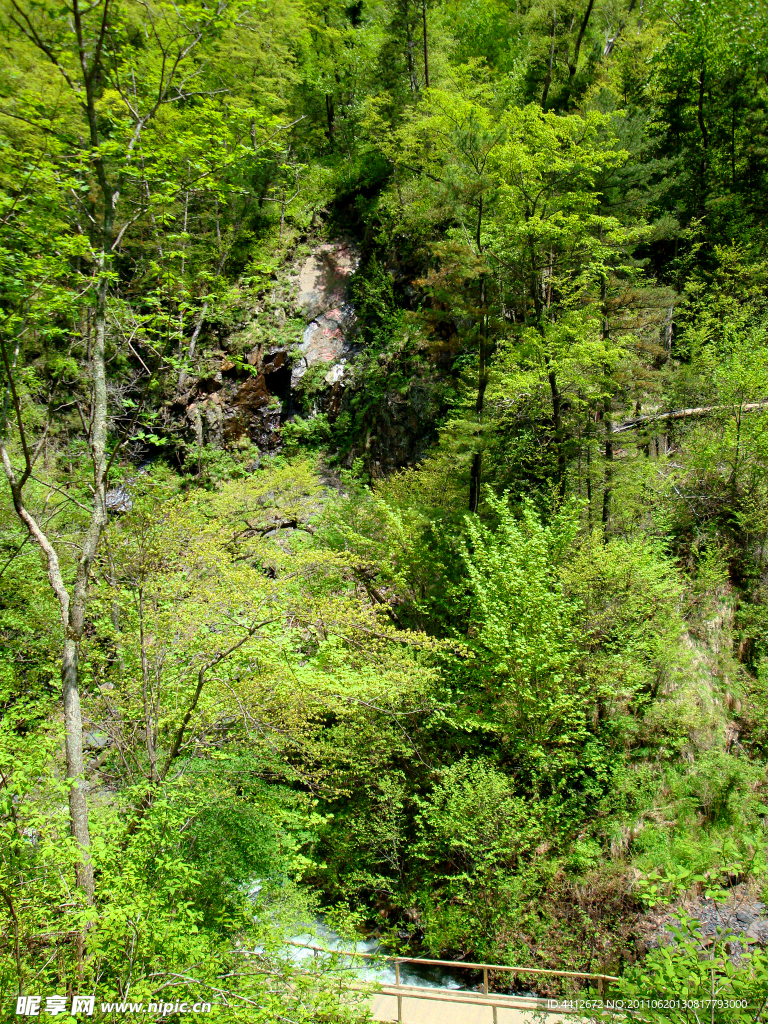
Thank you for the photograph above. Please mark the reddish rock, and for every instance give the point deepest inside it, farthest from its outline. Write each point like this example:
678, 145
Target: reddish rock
324, 278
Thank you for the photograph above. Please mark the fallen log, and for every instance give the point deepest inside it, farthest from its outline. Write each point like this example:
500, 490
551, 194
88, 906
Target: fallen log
683, 414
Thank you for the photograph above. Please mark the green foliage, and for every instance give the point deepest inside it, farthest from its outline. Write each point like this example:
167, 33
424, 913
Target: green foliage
693, 978
478, 836
522, 633
299, 433
504, 734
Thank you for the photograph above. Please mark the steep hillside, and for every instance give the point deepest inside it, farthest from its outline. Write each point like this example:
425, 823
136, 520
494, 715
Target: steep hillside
385, 496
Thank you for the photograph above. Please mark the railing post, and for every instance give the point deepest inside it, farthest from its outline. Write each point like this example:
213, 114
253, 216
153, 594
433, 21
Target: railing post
485, 980
601, 987
399, 997
495, 1014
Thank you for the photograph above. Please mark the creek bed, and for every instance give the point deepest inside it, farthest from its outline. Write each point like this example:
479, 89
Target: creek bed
383, 971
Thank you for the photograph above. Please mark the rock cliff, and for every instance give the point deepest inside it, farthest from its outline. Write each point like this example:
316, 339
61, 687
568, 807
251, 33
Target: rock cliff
296, 355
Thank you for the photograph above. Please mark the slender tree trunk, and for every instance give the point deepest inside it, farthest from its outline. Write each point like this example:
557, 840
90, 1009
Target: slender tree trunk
685, 414
73, 606
224, 250
192, 347
607, 421
78, 801
16, 944
557, 419
476, 470
73, 724
330, 115
548, 76
700, 111
537, 280
146, 693
475, 476
574, 64
409, 49
474, 481
77, 607
704, 140
86, 85
612, 40
115, 613
424, 39
608, 478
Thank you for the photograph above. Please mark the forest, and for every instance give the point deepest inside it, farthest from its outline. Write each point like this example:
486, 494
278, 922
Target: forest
384, 504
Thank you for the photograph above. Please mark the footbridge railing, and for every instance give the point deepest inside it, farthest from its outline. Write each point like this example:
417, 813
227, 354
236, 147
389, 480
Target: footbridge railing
487, 998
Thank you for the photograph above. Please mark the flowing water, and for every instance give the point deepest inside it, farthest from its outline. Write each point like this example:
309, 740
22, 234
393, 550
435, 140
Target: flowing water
381, 971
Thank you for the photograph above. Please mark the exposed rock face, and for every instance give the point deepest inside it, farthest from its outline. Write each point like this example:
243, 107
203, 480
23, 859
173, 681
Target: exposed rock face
402, 431
118, 499
324, 278
253, 396
323, 291
742, 915
325, 341
245, 399
249, 387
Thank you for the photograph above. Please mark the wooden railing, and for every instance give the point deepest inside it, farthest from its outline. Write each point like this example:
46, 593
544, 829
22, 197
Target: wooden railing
486, 999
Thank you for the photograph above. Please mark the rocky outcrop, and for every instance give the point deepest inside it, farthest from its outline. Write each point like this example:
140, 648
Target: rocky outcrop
323, 280
401, 430
245, 398
323, 300
250, 384
325, 340
741, 916
250, 395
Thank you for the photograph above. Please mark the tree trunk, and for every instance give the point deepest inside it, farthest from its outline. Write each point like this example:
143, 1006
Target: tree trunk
612, 40
192, 346
686, 414
73, 723
409, 50
78, 803
608, 478
475, 477
573, 65
548, 76
77, 607
329, 113
424, 38
704, 142
146, 693
608, 420
557, 418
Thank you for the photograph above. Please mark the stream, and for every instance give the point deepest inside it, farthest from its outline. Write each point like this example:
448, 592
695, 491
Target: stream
384, 972
425, 975
410, 974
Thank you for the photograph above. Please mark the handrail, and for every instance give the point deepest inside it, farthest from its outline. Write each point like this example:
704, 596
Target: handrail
460, 997
457, 963
412, 992
456, 995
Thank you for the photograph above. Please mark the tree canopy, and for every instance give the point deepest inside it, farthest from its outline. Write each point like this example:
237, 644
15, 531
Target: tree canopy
385, 494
